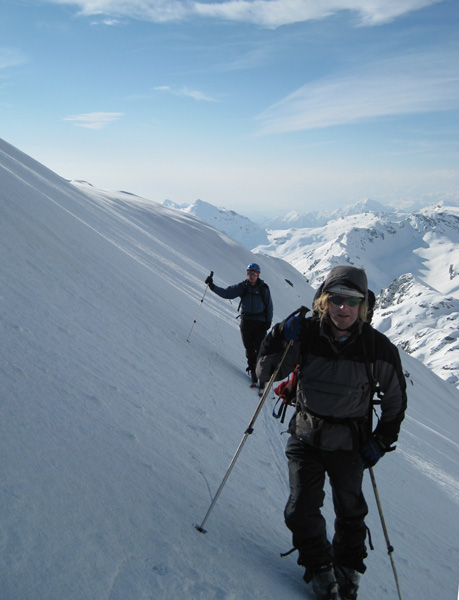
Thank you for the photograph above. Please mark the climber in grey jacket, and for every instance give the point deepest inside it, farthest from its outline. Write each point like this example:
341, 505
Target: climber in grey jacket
340, 358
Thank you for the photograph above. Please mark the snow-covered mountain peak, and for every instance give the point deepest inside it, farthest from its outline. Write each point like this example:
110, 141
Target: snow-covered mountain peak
294, 219
423, 322
236, 226
363, 206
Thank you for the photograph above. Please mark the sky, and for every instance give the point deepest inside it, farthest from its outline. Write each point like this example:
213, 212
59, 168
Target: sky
256, 106
124, 399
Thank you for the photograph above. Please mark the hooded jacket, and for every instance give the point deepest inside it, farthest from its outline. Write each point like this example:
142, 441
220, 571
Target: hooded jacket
344, 279
336, 378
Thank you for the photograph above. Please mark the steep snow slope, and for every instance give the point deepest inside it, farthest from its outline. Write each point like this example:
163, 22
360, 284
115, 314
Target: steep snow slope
115, 432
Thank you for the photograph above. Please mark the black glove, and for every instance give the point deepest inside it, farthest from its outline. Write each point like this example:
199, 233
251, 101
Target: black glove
209, 280
372, 451
292, 328
268, 326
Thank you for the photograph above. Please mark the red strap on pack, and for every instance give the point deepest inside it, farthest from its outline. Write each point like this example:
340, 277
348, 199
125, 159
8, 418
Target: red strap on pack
287, 394
287, 389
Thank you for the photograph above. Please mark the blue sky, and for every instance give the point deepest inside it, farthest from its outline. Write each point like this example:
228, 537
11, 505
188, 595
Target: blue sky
261, 106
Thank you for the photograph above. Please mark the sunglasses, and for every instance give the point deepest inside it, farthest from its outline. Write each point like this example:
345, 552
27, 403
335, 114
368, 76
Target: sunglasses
340, 300
252, 273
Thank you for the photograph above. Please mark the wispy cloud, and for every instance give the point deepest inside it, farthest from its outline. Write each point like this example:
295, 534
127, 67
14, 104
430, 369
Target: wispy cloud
274, 13
95, 120
158, 11
10, 57
266, 13
108, 22
247, 60
412, 84
185, 92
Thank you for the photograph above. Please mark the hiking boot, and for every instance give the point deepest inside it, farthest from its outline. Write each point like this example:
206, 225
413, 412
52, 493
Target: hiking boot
348, 582
324, 583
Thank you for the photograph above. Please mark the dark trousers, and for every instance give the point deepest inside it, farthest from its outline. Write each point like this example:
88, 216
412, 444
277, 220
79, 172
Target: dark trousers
252, 333
307, 468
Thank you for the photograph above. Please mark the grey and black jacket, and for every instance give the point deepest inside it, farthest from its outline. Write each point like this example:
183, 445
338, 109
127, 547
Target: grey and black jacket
256, 303
336, 383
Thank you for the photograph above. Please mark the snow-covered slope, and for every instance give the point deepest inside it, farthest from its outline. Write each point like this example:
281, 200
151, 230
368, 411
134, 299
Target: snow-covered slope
115, 432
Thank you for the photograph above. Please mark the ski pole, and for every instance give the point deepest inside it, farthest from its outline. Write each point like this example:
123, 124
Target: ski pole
390, 548
199, 308
302, 311
248, 431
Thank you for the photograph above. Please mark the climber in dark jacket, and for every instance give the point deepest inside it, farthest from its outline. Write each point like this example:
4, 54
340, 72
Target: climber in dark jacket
340, 358
256, 308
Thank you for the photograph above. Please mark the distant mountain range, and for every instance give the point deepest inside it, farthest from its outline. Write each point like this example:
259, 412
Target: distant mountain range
320, 218
247, 232
411, 259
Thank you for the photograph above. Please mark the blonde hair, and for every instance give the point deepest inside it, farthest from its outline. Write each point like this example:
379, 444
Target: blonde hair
321, 307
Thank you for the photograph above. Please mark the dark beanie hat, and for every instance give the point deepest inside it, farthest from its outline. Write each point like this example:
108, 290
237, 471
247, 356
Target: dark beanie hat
346, 280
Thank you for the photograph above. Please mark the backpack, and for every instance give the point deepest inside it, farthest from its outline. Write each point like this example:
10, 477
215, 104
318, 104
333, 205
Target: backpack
263, 288
287, 389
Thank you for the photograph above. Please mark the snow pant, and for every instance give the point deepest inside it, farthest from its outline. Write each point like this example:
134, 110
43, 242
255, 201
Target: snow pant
252, 333
307, 468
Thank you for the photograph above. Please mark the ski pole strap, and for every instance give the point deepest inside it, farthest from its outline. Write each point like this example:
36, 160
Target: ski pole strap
370, 541
291, 551
280, 412
277, 412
